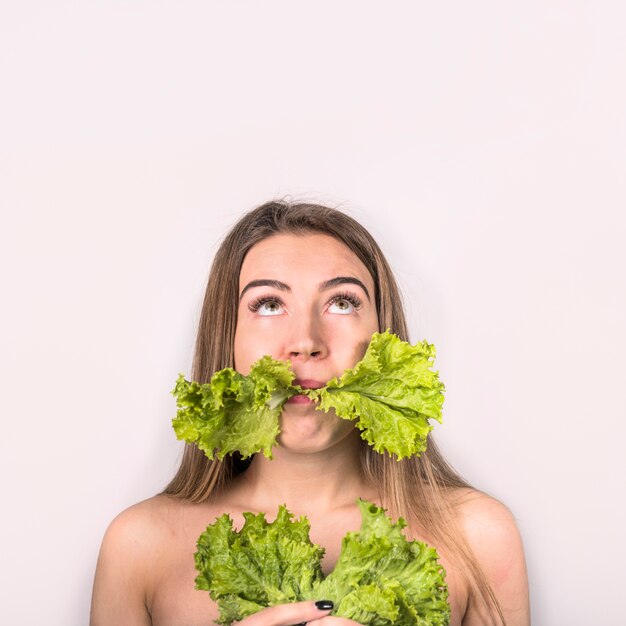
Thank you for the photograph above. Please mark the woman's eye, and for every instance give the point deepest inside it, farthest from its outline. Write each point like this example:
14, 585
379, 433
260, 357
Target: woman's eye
343, 306
268, 307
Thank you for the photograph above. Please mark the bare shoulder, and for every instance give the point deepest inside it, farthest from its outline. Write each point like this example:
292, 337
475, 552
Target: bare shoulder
492, 533
481, 515
141, 526
130, 553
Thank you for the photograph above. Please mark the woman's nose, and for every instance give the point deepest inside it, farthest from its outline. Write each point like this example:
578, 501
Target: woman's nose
306, 341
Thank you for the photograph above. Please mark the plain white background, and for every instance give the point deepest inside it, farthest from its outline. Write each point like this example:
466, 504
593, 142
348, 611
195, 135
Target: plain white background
482, 143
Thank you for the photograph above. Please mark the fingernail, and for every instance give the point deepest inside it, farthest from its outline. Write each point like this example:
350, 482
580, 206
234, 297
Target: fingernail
324, 605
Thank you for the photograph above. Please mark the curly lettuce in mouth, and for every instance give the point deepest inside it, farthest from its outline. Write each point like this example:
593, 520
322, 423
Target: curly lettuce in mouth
390, 394
380, 578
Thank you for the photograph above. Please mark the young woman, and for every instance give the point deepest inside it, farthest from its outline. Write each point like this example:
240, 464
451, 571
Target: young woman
308, 284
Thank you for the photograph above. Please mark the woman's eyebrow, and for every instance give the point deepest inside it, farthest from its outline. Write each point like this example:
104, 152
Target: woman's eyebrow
342, 280
327, 284
265, 282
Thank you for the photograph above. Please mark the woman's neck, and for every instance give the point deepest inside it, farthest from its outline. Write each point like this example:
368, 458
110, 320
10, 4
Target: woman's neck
322, 481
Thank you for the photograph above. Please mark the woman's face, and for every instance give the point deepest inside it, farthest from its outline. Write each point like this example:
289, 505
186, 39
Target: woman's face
307, 299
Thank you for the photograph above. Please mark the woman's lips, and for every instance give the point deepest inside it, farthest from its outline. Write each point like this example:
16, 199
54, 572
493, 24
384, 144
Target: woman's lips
305, 383
299, 399
308, 383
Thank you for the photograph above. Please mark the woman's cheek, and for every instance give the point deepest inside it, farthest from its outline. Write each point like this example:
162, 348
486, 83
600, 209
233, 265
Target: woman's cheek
251, 345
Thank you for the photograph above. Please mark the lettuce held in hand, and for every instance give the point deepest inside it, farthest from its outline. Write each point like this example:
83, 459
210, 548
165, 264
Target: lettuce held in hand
391, 394
380, 579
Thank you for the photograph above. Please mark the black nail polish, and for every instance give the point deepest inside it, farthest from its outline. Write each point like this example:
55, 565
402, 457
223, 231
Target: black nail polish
324, 605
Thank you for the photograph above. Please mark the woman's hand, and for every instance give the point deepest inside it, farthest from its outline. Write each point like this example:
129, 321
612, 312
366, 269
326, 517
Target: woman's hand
297, 613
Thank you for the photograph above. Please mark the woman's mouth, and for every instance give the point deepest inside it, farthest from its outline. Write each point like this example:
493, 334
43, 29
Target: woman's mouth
305, 383
299, 399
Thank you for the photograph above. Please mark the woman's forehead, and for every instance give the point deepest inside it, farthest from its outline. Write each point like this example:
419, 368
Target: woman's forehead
309, 255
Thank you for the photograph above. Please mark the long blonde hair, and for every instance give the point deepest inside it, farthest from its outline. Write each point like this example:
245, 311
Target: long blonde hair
417, 488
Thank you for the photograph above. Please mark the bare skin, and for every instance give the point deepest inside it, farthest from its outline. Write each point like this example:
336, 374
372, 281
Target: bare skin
321, 323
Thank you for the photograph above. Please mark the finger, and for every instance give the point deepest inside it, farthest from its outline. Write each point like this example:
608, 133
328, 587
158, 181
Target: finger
289, 614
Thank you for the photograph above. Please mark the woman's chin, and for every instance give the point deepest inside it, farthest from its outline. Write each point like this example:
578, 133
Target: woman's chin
304, 429
302, 426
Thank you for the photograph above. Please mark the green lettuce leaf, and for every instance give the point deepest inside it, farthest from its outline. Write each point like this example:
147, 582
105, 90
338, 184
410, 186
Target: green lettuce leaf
262, 565
380, 579
391, 393
234, 412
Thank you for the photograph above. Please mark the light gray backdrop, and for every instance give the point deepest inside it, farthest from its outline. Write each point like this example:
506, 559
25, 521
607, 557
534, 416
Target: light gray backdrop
482, 143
